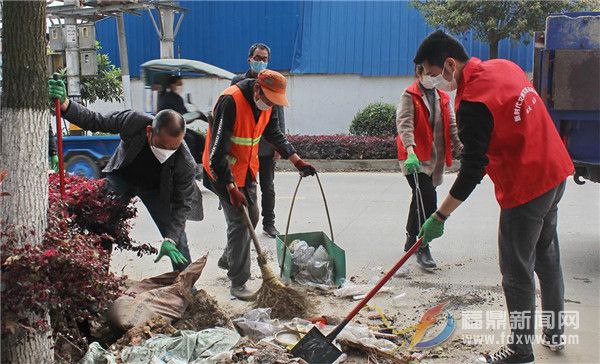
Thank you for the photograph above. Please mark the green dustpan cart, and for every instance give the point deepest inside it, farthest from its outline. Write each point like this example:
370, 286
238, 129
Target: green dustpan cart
314, 239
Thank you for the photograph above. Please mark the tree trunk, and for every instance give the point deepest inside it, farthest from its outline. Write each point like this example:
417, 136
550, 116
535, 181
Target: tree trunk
24, 121
494, 49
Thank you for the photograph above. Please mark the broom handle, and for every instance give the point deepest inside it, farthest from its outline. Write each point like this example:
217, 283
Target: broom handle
251, 229
287, 227
374, 290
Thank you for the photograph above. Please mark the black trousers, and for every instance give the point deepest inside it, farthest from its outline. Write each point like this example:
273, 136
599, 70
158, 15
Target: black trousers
528, 245
429, 196
160, 213
266, 175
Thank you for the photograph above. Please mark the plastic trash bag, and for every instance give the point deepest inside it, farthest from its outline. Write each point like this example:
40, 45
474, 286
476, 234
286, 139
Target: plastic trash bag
184, 347
363, 335
301, 253
257, 324
311, 267
96, 354
351, 289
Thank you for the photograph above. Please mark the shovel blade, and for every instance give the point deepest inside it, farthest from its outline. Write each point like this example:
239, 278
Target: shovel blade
314, 348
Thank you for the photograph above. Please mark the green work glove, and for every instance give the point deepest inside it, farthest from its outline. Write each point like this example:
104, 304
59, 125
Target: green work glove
433, 228
57, 90
54, 163
169, 249
412, 164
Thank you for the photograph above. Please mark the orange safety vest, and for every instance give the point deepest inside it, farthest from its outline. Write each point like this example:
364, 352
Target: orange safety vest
247, 132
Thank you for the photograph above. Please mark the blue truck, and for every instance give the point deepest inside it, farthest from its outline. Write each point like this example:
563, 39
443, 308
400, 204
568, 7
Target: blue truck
566, 74
87, 155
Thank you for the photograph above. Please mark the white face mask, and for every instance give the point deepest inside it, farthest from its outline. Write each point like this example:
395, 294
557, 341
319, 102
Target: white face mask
161, 154
426, 82
261, 105
441, 83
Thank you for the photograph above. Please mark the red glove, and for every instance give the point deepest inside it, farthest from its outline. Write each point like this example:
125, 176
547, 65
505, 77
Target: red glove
305, 168
237, 198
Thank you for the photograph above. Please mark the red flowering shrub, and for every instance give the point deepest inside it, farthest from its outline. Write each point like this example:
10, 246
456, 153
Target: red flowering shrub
67, 275
344, 146
98, 211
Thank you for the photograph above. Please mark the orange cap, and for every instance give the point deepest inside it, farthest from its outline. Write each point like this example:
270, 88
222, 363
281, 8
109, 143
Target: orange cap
273, 85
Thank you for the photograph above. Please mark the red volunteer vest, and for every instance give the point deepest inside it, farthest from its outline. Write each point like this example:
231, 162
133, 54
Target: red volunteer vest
526, 155
423, 133
247, 132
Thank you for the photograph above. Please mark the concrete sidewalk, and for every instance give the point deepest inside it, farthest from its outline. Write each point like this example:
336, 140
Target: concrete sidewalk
369, 214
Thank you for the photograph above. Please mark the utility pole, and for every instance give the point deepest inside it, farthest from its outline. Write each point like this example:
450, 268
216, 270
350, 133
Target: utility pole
167, 37
124, 60
72, 53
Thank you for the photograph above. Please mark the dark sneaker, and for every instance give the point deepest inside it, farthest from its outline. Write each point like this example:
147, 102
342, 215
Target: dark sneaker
223, 263
270, 231
506, 356
425, 259
242, 293
554, 342
410, 241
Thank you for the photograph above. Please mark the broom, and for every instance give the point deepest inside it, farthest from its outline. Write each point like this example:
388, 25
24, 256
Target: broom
285, 302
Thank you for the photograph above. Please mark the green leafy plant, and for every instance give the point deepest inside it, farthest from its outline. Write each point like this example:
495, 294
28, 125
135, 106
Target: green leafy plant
377, 119
344, 146
492, 21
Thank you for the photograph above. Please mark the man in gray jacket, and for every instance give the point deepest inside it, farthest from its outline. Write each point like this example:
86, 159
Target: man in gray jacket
258, 59
152, 163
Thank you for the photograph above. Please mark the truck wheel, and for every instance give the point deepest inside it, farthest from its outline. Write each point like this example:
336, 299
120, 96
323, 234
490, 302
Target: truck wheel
82, 165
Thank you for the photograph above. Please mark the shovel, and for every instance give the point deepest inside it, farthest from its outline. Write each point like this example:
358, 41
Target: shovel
318, 348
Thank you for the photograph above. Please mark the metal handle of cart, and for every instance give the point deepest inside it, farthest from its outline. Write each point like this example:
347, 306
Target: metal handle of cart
287, 227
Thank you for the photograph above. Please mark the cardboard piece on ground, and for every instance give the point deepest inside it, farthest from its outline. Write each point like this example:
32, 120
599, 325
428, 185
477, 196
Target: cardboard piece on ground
164, 295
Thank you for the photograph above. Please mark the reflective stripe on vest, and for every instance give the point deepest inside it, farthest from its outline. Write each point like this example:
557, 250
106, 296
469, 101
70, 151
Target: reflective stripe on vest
245, 141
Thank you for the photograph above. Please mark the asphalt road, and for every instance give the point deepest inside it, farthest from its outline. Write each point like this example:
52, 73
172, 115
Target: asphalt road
368, 215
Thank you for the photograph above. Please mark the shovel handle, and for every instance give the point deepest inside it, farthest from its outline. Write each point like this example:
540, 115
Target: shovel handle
375, 289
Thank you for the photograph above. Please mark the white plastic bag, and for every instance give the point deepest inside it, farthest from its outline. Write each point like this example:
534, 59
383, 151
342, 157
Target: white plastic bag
257, 323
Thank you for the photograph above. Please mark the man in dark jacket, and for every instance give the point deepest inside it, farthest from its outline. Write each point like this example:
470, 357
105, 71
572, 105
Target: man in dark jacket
258, 59
151, 162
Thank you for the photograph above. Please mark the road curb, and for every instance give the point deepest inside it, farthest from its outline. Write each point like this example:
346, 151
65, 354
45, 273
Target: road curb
356, 165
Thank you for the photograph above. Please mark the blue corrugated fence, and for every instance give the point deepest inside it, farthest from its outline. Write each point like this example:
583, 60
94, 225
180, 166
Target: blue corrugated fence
370, 38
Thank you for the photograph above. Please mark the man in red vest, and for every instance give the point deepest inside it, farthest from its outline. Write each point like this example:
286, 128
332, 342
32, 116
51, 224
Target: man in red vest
508, 134
242, 116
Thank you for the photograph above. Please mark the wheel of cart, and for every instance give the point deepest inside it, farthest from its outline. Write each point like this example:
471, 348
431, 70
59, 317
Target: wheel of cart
82, 165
